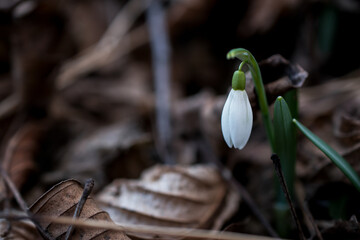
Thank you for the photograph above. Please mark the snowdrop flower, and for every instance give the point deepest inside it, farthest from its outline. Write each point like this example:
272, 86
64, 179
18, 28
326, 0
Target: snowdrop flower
237, 118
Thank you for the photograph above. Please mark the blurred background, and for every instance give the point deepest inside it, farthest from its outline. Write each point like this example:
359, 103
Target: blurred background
105, 89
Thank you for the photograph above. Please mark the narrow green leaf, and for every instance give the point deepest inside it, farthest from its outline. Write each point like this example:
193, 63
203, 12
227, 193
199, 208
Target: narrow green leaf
285, 141
339, 161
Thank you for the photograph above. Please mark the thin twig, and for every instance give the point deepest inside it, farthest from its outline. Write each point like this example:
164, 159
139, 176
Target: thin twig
159, 42
145, 229
226, 174
276, 160
89, 184
23, 205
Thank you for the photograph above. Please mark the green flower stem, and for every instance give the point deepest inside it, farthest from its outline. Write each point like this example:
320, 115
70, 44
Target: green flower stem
335, 157
241, 65
245, 56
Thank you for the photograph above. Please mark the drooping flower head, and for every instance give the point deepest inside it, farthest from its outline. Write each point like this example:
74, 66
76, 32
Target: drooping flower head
237, 117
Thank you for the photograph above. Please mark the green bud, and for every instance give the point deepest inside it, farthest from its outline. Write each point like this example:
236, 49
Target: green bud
238, 80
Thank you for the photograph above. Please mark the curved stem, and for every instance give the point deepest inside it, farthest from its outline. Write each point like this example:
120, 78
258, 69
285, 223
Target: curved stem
241, 65
245, 56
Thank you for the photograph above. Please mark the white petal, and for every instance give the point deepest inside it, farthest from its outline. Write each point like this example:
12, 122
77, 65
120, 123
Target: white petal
241, 119
225, 121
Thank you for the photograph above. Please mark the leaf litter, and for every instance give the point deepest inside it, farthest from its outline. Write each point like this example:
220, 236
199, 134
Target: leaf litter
61, 200
86, 109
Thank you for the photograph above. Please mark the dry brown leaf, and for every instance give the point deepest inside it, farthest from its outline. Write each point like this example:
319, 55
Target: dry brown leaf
90, 155
335, 100
276, 66
171, 196
61, 200
323, 99
19, 159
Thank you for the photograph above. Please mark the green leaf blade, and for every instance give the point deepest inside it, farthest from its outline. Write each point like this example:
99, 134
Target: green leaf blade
335, 157
285, 141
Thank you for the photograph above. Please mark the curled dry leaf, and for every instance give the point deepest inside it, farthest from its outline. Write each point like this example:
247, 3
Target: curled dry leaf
276, 67
281, 76
61, 200
171, 196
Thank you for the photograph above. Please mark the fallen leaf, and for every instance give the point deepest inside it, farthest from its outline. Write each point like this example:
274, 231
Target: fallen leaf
89, 155
276, 66
19, 160
171, 196
320, 100
61, 200
337, 100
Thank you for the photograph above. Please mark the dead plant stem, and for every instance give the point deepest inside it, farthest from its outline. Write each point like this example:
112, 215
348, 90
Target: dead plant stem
276, 160
89, 185
145, 229
160, 50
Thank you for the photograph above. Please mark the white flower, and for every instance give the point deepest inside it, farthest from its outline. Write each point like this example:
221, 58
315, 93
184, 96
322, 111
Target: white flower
237, 119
